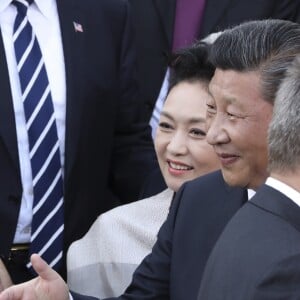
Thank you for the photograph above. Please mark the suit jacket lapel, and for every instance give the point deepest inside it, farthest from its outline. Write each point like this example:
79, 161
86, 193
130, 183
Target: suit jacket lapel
278, 204
214, 10
166, 12
7, 121
73, 56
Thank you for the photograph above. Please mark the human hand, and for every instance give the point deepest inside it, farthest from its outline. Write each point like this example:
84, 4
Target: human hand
5, 280
47, 286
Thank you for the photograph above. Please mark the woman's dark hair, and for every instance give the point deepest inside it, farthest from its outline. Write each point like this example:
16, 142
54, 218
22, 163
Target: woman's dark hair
191, 64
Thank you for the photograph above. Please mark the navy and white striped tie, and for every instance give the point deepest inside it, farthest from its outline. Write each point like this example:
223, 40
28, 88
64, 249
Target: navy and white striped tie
47, 221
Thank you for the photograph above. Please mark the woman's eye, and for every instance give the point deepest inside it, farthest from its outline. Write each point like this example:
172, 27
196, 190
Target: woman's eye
164, 125
198, 133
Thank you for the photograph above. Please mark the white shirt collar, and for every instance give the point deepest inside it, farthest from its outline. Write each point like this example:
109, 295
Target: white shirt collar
251, 193
46, 7
4, 4
284, 189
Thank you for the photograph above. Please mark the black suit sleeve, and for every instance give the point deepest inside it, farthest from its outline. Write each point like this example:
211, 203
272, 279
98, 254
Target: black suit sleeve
281, 281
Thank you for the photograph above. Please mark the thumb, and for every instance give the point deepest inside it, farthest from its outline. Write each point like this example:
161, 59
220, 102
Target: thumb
42, 268
48, 285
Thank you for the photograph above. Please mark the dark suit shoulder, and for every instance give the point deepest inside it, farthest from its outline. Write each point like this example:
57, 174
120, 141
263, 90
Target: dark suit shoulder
275, 202
201, 210
212, 182
209, 190
214, 178
256, 239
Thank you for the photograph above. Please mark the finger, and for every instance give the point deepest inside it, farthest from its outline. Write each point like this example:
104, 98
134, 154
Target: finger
42, 268
15, 292
5, 280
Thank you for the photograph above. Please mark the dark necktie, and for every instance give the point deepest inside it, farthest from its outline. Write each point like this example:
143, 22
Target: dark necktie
47, 220
187, 22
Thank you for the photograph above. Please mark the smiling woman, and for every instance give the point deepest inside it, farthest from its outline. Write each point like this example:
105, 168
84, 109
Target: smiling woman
119, 239
180, 141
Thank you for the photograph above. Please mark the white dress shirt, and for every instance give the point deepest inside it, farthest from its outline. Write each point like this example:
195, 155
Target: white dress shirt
251, 193
43, 16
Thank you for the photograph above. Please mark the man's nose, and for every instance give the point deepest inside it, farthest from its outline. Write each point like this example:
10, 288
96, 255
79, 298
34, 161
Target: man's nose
216, 131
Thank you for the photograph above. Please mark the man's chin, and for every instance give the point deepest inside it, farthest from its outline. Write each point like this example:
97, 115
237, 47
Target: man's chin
233, 179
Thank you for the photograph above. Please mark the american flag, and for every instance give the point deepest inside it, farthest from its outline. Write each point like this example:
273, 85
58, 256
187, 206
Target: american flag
77, 27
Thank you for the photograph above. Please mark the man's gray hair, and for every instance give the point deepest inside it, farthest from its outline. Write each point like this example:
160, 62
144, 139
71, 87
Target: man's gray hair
284, 130
267, 46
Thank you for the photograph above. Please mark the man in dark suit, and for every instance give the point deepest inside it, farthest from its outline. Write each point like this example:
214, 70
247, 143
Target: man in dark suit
154, 26
252, 258
239, 114
106, 154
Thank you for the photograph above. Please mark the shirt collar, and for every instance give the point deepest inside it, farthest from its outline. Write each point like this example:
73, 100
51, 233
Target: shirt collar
251, 193
46, 7
4, 4
284, 189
